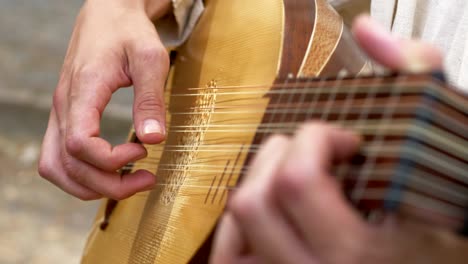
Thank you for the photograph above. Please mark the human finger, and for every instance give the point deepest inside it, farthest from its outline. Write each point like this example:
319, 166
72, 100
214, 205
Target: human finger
393, 52
87, 98
311, 198
254, 209
51, 169
90, 160
229, 245
228, 241
109, 184
148, 67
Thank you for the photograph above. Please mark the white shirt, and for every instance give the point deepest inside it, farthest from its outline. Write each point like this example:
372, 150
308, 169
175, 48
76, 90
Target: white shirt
441, 22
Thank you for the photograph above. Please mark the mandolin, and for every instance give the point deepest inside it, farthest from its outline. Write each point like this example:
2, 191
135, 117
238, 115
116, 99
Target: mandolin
255, 68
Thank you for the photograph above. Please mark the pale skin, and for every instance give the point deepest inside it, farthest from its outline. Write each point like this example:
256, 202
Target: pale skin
114, 44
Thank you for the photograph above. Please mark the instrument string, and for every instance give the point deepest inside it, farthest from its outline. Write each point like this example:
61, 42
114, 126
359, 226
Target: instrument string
381, 174
272, 115
227, 148
353, 91
386, 121
354, 173
288, 103
411, 86
271, 125
432, 163
442, 197
442, 165
346, 109
362, 181
331, 98
370, 194
295, 88
316, 91
433, 188
445, 120
297, 108
324, 111
313, 105
354, 84
309, 81
397, 137
343, 171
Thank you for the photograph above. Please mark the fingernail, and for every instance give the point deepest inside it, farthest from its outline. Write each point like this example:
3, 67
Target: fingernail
151, 126
416, 66
415, 63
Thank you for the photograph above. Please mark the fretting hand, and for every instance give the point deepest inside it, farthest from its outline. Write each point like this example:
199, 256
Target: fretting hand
290, 209
114, 44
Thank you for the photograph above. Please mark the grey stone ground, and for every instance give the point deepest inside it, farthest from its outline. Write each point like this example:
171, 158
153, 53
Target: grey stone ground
38, 222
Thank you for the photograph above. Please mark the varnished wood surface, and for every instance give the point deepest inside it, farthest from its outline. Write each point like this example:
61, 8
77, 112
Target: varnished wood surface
328, 28
299, 25
231, 45
222, 104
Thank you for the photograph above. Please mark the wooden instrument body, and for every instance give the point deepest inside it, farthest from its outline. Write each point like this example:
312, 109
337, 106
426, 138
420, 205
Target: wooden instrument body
218, 99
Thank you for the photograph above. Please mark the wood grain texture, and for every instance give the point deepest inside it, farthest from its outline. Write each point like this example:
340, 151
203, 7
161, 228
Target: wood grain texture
219, 101
327, 32
299, 20
331, 50
231, 46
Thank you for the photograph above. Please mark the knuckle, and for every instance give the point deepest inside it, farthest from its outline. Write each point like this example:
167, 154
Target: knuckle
74, 144
149, 101
152, 52
291, 178
88, 74
68, 166
111, 166
57, 99
45, 169
71, 170
277, 139
320, 131
296, 179
316, 128
242, 206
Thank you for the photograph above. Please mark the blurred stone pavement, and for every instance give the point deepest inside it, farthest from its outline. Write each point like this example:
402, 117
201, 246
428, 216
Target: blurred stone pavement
38, 222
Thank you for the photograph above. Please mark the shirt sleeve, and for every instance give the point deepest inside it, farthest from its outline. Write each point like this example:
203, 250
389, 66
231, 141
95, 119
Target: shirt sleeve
175, 28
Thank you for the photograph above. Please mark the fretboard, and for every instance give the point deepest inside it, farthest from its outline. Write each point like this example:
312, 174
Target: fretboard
414, 159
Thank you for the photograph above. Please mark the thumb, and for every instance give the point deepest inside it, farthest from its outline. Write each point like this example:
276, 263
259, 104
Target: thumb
390, 51
148, 65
